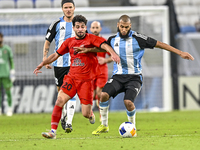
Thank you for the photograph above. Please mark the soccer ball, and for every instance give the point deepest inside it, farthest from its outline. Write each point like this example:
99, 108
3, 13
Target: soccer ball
127, 130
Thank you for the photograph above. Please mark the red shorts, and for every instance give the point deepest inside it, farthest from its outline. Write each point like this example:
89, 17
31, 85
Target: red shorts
84, 89
100, 81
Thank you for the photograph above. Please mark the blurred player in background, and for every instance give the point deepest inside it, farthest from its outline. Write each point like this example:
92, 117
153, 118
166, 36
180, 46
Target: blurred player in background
83, 69
61, 30
101, 80
7, 74
127, 75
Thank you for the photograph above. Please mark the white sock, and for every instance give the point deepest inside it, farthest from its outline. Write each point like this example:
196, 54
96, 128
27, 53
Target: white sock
64, 111
131, 116
71, 106
104, 113
54, 131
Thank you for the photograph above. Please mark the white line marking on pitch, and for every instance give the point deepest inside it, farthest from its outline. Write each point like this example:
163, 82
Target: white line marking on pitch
97, 137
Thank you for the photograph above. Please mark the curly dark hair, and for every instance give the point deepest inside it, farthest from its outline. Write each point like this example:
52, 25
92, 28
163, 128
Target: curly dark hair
79, 18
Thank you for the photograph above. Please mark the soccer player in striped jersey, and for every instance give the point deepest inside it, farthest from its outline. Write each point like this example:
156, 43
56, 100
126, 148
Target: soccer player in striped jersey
127, 75
83, 69
61, 30
100, 80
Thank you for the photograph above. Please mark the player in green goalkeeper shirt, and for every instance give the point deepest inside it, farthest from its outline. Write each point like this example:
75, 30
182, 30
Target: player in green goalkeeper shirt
7, 73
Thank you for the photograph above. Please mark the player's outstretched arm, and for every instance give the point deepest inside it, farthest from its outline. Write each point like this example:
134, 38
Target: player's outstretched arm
86, 50
103, 60
104, 48
49, 60
184, 55
45, 52
109, 49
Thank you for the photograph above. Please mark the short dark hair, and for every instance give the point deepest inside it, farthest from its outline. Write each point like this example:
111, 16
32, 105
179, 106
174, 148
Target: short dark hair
67, 1
1, 34
79, 18
124, 18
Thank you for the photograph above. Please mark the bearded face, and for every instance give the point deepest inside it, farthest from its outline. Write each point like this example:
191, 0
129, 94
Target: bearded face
124, 35
123, 28
80, 29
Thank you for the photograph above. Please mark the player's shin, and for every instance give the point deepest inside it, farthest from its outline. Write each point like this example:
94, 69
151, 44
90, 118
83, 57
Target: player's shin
131, 116
71, 106
55, 117
104, 106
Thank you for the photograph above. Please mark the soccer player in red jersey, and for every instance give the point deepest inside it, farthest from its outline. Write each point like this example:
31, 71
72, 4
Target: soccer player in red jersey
82, 71
101, 79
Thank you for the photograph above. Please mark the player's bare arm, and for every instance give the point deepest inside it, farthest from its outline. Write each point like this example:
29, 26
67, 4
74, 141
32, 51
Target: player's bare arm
86, 50
45, 53
109, 49
104, 48
103, 60
49, 60
184, 55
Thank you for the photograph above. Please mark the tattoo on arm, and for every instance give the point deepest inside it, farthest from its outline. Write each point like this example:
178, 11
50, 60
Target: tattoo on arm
46, 52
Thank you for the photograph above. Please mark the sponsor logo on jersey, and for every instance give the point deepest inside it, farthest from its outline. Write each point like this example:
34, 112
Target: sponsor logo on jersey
116, 44
62, 28
77, 62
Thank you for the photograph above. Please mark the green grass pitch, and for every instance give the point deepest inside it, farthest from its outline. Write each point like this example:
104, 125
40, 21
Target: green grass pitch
177, 130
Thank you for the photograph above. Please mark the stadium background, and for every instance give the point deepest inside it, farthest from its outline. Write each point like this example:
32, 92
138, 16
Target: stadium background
33, 94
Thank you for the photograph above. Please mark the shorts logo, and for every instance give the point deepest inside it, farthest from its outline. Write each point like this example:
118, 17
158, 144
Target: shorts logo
137, 89
77, 62
56, 81
110, 81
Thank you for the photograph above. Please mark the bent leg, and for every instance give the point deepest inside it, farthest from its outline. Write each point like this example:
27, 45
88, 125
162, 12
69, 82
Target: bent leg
57, 111
86, 110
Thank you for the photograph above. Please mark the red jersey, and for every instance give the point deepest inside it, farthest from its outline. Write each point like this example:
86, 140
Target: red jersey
83, 66
104, 67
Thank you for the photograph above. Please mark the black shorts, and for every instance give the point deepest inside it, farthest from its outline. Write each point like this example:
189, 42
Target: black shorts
130, 84
59, 73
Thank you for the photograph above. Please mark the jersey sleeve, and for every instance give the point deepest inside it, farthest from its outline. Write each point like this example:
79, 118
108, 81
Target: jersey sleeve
144, 41
51, 31
108, 41
63, 48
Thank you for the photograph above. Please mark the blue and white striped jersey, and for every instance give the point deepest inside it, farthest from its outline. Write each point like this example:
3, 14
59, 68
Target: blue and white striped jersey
60, 31
130, 50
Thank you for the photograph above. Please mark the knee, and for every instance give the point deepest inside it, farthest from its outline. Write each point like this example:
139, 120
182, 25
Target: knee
104, 97
86, 114
60, 101
129, 105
